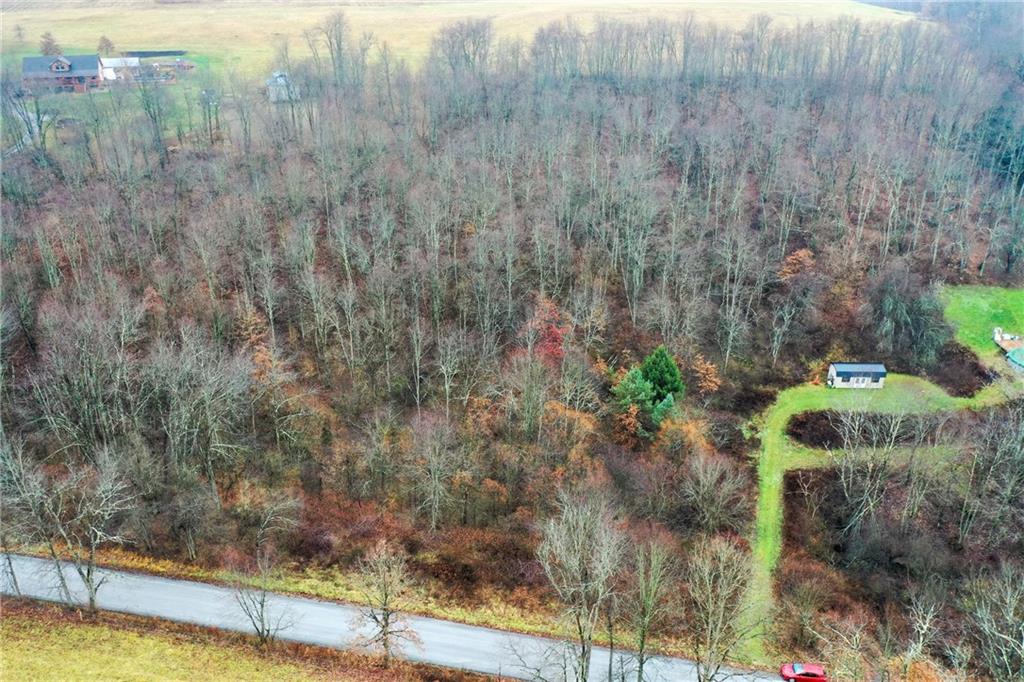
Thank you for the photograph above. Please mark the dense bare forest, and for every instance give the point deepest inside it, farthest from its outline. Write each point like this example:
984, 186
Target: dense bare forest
527, 293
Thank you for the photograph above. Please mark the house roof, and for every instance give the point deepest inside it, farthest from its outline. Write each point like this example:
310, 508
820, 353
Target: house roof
81, 65
120, 62
859, 368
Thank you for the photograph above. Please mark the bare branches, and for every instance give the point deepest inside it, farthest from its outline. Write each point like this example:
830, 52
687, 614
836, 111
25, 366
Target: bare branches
581, 552
257, 604
717, 575
73, 513
653, 572
995, 607
386, 583
869, 442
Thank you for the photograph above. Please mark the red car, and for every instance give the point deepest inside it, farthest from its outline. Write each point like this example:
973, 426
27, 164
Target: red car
803, 672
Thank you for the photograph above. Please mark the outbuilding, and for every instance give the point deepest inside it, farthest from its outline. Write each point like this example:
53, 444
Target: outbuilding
120, 68
280, 88
856, 375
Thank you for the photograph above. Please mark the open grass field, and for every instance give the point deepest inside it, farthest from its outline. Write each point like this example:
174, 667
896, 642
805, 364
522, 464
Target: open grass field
43, 650
244, 35
975, 310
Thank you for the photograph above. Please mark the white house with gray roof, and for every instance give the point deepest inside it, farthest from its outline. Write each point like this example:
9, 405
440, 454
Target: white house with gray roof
856, 375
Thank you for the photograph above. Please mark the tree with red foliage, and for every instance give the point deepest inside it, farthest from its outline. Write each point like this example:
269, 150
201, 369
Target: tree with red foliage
546, 332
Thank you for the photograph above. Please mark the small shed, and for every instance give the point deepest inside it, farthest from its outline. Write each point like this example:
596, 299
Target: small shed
856, 375
280, 88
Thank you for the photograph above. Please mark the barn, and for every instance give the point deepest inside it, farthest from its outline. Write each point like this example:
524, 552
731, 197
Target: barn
856, 375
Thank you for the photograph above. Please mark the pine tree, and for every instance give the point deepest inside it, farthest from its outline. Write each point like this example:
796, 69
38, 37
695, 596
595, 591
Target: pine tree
661, 371
662, 409
634, 389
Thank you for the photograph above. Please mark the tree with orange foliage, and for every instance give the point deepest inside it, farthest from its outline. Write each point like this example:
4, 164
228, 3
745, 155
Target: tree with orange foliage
796, 263
629, 429
706, 374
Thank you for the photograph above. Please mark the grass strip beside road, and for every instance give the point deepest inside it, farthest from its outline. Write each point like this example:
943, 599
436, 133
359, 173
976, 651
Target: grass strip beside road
44, 642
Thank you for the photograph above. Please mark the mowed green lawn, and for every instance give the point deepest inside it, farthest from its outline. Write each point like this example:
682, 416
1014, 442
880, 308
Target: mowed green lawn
44, 651
976, 310
244, 35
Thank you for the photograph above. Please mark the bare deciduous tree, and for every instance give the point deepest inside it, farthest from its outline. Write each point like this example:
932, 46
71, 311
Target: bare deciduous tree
73, 514
713, 494
581, 552
994, 606
255, 598
652, 579
386, 584
256, 602
717, 575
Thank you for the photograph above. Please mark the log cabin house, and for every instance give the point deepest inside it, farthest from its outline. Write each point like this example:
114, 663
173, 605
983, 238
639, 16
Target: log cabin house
62, 73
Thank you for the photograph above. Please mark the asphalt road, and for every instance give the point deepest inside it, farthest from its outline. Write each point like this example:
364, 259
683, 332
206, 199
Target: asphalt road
441, 642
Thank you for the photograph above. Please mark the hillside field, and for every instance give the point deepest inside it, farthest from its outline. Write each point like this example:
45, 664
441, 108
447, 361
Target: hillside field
245, 35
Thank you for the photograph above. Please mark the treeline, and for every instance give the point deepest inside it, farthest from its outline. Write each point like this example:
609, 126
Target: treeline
429, 290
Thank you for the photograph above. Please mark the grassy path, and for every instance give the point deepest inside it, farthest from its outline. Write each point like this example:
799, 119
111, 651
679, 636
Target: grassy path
779, 454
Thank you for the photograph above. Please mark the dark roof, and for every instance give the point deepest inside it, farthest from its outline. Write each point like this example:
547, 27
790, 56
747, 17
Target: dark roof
81, 65
145, 54
859, 368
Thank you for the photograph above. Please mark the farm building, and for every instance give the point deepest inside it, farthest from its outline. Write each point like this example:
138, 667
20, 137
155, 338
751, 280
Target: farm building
120, 68
62, 73
1012, 345
280, 88
856, 375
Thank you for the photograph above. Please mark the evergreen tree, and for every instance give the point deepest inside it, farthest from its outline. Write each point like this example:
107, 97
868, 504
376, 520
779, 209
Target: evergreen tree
661, 371
634, 389
662, 409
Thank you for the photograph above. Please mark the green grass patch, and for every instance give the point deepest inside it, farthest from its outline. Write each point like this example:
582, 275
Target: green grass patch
976, 310
47, 650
